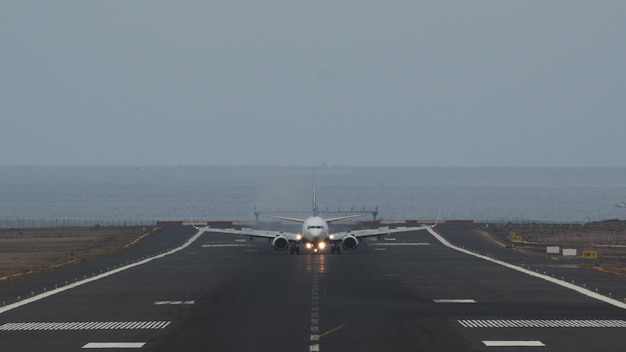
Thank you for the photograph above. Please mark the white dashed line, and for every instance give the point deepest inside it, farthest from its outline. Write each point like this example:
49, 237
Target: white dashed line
454, 301
513, 343
315, 309
158, 303
114, 345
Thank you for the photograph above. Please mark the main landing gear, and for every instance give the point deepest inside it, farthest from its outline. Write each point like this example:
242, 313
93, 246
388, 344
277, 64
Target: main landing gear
335, 249
294, 249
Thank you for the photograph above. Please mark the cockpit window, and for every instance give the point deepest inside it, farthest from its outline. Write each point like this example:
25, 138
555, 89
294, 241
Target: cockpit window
314, 227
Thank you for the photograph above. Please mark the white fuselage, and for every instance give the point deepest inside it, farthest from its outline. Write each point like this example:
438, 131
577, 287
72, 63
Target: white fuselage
315, 230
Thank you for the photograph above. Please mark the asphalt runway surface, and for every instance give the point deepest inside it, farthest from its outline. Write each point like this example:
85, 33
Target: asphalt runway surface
219, 292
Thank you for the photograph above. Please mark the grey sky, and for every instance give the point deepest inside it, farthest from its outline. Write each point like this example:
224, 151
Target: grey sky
524, 83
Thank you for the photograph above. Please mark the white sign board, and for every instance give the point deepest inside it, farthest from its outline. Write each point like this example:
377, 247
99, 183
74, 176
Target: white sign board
553, 249
569, 252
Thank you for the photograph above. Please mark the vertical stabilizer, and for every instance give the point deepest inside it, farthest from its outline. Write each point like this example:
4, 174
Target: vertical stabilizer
315, 212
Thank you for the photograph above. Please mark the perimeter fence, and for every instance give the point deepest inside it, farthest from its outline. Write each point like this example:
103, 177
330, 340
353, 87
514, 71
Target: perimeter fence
73, 222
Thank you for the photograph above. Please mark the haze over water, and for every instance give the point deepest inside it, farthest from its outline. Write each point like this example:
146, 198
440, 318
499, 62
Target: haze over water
58, 195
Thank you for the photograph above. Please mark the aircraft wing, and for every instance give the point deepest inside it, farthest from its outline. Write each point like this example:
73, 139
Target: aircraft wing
253, 233
381, 231
343, 217
284, 218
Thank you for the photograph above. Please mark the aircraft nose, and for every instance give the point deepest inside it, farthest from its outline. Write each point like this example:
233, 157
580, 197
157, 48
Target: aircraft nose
316, 234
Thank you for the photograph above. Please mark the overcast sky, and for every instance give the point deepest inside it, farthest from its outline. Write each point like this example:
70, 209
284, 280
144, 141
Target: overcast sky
416, 83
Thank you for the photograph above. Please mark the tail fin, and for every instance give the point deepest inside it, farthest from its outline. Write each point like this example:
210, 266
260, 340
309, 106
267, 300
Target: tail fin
315, 211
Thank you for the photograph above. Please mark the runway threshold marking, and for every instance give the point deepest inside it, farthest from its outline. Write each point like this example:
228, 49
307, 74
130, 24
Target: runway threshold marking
527, 323
567, 285
513, 343
114, 345
98, 277
85, 325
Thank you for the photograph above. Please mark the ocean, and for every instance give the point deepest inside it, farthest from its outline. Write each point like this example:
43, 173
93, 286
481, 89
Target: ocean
119, 195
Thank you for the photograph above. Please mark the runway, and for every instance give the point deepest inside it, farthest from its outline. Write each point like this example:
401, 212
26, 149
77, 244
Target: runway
221, 292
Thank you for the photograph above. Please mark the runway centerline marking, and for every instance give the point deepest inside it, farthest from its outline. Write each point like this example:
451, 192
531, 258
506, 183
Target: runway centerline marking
98, 277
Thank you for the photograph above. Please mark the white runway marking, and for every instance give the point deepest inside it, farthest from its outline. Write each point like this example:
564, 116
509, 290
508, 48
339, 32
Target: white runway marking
98, 277
512, 323
315, 308
114, 345
513, 343
562, 283
158, 303
85, 325
400, 244
454, 301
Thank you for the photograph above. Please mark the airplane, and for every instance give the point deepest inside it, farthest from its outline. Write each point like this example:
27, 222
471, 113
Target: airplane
315, 234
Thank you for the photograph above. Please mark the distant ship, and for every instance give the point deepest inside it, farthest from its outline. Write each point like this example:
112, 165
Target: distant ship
621, 205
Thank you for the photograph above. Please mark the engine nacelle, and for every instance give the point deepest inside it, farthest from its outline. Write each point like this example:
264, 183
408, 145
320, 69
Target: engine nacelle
349, 243
280, 243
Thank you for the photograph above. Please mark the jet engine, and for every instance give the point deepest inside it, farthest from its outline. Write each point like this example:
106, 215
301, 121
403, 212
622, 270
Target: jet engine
280, 243
349, 243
